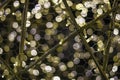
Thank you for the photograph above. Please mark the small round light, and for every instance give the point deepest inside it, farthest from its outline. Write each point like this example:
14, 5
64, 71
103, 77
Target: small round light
112, 79
33, 52
34, 11
76, 61
15, 25
7, 11
76, 46
32, 43
28, 23
48, 68
1, 50
38, 15
35, 72
47, 4
115, 68
98, 78
56, 78
38, 7
49, 24
58, 18
16, 3
37, 37
117, 17
80, 20
70, 64
99, 11
79, 6
28, 15
33, 31
115, 31
11, 36
87, 4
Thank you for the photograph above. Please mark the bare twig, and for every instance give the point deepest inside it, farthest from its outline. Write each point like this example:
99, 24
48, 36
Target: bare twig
9, 68
83, 39
4, 4
23, 24
69, 37
107, 47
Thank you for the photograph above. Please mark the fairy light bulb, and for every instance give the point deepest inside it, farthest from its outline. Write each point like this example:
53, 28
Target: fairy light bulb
15, 25
58, 18
79, 6
87, 4
33, 52
7, 11
35, 72
28, 23
3, 18
34, 11
115, 31
98, 78
38, 15
62, 67
37, 37
77, 38
28, 15
76, 46
47, 5
11, 36
48, 68
16, 4
76, 61
69, 3
83, 13
49, 24
22, 1
18, 29
88, 73
80, 20
23, 63
32, 43
1, 50
99, 11
1, 12
80, 78
55, 1
38, 7
100, 45
112, 79
117, 17
89, 31
114, 68
106, 1
56, 78
70, 64
33, 31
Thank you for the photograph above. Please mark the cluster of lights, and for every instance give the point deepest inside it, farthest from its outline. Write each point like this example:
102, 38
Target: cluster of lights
45, 28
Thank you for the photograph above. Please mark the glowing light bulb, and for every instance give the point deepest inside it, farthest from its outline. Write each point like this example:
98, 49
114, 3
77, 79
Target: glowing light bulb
35, 72
49, 24
56, 78
48, 68
47, 4
16, 3
1, 50
33, 52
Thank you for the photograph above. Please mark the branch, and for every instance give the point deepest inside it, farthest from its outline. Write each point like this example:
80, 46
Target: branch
23, 24
107, 47
4, 4
69, 37
83, 39
9, 68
